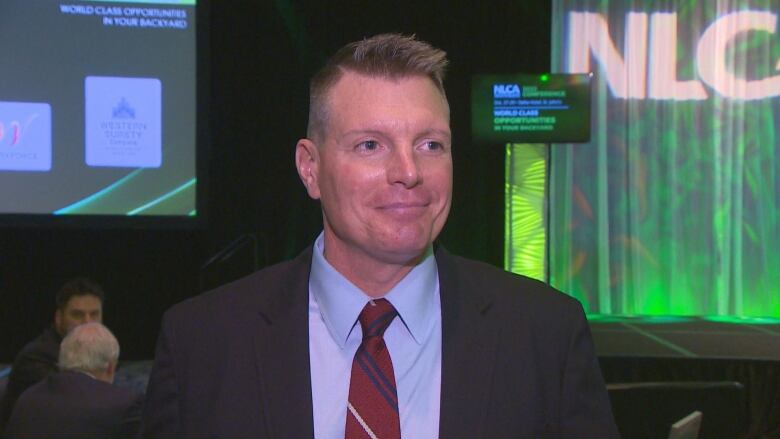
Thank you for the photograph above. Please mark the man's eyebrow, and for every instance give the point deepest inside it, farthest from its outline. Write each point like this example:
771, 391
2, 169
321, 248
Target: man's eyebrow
436, 132
425, 133
363, 132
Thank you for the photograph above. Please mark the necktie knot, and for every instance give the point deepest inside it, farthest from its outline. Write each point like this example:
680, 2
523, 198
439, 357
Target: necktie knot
376, 317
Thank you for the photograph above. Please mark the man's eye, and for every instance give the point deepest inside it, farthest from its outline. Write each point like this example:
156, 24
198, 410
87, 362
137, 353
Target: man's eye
368, 145
433, 146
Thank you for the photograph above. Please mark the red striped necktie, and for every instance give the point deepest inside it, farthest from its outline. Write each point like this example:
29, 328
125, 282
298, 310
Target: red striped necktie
372, 407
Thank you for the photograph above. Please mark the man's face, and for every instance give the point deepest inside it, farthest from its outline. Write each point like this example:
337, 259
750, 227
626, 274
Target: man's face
80, 309
382, 169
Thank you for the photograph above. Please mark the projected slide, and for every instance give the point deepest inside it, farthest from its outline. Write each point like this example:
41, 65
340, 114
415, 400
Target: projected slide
673, 208
98, 107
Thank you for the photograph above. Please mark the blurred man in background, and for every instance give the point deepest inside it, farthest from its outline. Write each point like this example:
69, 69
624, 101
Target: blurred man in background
79, 301
79, 401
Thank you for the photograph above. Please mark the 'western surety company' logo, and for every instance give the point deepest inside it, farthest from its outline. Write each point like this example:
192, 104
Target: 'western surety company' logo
25, 136
123, 122
122, 130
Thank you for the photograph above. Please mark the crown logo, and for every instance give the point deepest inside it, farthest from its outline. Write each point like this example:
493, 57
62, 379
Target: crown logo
123, 110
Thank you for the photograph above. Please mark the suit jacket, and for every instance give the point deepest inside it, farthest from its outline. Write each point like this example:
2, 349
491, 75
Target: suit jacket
34, 362
73, 405
517, 360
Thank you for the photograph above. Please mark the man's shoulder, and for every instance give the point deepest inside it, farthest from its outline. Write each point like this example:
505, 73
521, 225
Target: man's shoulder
44, 348
261, 286
36, 388
78, 381
501, 285
121, 396
71, 386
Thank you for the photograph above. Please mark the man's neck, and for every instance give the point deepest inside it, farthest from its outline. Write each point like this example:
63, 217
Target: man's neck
106, 376
375, 278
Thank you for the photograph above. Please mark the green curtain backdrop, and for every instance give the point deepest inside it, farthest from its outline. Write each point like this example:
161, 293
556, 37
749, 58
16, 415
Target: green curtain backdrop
672, 208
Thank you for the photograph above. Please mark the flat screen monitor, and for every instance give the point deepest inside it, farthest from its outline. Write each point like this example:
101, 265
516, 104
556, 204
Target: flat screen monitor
100, 115
531, 108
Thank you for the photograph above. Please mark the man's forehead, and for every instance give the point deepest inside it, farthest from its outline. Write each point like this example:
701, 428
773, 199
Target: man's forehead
82, 300
356, 82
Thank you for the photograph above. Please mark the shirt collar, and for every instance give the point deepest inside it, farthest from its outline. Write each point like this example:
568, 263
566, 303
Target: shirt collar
79, 371
340, 301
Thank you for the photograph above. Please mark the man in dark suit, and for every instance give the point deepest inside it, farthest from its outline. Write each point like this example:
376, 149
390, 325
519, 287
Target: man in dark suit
78, 301
79, 401
464, 350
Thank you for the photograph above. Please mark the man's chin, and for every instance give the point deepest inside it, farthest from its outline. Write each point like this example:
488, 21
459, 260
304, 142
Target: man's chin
405, 255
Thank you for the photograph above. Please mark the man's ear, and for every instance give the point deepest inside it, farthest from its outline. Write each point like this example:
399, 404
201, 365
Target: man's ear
109, 373
58, 319
307, 161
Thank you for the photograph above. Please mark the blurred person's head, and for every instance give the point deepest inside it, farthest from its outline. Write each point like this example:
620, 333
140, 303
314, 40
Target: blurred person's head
79, 301
90, 348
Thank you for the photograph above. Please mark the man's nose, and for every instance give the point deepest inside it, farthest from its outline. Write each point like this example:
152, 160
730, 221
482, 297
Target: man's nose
404, 168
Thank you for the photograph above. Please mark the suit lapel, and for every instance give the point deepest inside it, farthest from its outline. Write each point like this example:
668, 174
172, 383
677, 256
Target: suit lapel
468, 352
282, 353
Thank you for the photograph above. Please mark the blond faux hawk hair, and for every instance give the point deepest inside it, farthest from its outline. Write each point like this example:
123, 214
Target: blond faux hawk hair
389, 55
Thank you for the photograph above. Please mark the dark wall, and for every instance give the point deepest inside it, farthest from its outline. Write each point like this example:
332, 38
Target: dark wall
261, 55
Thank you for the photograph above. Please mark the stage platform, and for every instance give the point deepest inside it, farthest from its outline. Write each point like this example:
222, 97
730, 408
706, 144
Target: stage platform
659, 369
686, 337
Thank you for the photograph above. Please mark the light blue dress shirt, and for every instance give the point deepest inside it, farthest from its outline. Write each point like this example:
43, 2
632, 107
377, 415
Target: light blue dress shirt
413, 341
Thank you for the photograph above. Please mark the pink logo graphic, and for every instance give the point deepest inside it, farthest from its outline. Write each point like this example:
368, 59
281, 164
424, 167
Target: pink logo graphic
11, 133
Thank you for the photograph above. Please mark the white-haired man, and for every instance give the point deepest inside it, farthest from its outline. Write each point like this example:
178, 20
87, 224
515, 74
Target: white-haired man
80, 401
